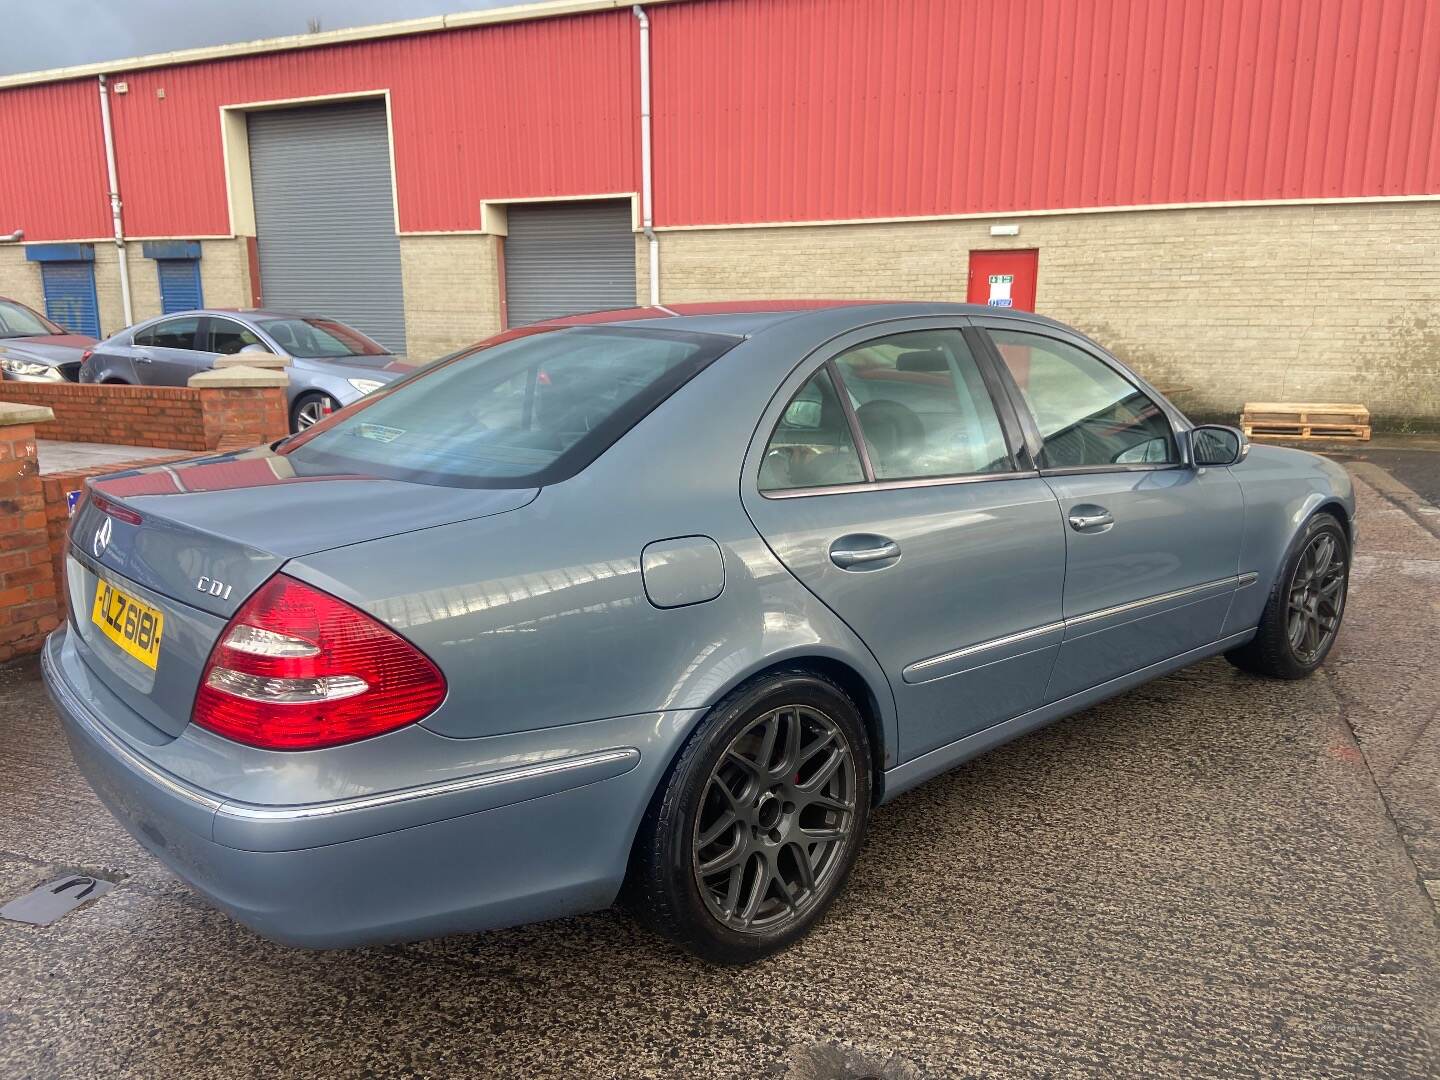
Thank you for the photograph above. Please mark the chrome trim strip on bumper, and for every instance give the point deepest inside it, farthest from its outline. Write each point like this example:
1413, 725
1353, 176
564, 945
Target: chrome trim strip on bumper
308, 811
81, 714
1237, 582
244, 811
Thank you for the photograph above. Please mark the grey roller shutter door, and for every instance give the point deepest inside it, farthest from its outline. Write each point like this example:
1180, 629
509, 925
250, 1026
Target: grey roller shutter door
563, 258
325, 218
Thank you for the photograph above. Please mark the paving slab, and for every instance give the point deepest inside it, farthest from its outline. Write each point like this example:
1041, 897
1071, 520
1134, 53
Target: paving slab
57, 456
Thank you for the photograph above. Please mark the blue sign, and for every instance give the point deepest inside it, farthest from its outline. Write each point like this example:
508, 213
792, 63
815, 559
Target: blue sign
1002, 301
72, 500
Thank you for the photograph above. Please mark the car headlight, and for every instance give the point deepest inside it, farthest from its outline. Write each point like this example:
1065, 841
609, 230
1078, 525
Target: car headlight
27, 367
365, 386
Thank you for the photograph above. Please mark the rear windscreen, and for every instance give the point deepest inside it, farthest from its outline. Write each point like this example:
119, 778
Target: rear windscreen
527, 408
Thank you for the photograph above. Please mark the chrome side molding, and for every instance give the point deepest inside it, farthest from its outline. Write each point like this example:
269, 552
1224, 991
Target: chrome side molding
916, 672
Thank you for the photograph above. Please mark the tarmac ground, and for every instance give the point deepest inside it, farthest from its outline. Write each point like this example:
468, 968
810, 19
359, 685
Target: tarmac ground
1211, 876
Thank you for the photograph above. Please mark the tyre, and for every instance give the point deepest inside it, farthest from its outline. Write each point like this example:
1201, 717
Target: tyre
758, 822
310, 409
1302, 614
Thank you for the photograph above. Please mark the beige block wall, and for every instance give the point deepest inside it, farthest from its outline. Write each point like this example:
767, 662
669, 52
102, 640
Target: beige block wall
1320, 303
452, 291
19, 279
224, 278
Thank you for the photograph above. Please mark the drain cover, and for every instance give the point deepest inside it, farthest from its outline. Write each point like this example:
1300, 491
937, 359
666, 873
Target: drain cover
43, 905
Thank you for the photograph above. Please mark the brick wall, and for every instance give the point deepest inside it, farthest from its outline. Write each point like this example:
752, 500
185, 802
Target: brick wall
1321, 303
28, 596
176, 417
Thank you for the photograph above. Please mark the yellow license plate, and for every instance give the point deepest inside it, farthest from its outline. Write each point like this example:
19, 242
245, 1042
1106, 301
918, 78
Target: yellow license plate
134, 626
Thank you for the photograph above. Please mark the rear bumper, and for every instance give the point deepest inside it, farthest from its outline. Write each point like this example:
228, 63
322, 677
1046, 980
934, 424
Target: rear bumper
504, 846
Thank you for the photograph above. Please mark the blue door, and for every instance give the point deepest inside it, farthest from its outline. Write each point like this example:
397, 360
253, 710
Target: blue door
70, 296
179, 285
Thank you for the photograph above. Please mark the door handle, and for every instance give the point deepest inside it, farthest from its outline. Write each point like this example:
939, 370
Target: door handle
853, 551
144, 358
1091, 519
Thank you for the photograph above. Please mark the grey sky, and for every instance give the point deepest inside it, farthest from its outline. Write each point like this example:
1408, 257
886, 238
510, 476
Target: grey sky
39, 34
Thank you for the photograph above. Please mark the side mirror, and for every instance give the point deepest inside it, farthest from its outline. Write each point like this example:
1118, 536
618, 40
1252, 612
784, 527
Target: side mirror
1215, 444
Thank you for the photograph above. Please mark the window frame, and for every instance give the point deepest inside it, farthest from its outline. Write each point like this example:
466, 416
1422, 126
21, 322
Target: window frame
1022, 463
1034, 441
154, 327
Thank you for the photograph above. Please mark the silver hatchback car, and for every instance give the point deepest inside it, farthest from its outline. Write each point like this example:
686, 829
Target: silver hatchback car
331, 364
658, 605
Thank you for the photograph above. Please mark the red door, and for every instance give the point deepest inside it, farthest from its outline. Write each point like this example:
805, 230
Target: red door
1003, 278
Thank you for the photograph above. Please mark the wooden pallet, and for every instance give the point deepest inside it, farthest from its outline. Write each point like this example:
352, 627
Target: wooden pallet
1308, 420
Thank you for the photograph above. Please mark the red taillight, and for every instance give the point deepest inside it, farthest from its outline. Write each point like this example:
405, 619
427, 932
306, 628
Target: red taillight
297, 669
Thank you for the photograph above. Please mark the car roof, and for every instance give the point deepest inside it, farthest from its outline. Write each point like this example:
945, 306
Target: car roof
746, 318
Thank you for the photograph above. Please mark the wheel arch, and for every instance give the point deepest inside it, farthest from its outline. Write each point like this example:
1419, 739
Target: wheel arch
856, 686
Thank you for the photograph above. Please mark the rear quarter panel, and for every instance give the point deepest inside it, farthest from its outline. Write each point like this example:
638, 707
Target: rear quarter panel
1282, 488
539, 617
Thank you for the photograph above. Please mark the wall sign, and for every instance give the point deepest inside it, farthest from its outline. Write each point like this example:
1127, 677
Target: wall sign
1000, 290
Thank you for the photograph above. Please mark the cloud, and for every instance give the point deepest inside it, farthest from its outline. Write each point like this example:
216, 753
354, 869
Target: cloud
41, 34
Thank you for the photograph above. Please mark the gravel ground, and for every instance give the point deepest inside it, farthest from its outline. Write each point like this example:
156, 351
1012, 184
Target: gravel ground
1210, 876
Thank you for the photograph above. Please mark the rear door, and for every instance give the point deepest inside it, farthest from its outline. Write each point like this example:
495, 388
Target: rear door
166, 353
1153, 545
884, 477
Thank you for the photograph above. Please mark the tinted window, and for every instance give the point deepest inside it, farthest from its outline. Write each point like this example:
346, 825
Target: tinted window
923, 406
319, 338
811, 445
16, 320
529, 407
230, 337
170, 334
1087, 413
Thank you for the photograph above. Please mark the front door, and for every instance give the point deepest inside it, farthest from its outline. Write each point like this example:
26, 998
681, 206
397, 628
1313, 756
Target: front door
886, 483
1153, 545
1003, 279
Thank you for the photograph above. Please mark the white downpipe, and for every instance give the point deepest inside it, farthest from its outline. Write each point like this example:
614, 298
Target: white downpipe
115, 202
647, 197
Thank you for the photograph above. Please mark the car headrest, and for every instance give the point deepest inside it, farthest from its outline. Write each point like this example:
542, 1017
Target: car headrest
922, 360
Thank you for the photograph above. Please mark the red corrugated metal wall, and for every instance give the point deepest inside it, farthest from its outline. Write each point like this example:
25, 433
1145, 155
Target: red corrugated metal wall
52, 176
521, 109
825, 109
796, 110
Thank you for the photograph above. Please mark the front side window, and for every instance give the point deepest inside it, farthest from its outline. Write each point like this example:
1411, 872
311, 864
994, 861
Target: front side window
319, 339
811, 446
16, 320
530, 407
171, 334
227, 338
1088, 415
923, 407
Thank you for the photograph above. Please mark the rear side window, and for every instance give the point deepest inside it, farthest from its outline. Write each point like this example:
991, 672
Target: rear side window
531, 407
1089, 415
917, 399
228, 337
923, 407
811, 446
170, 334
